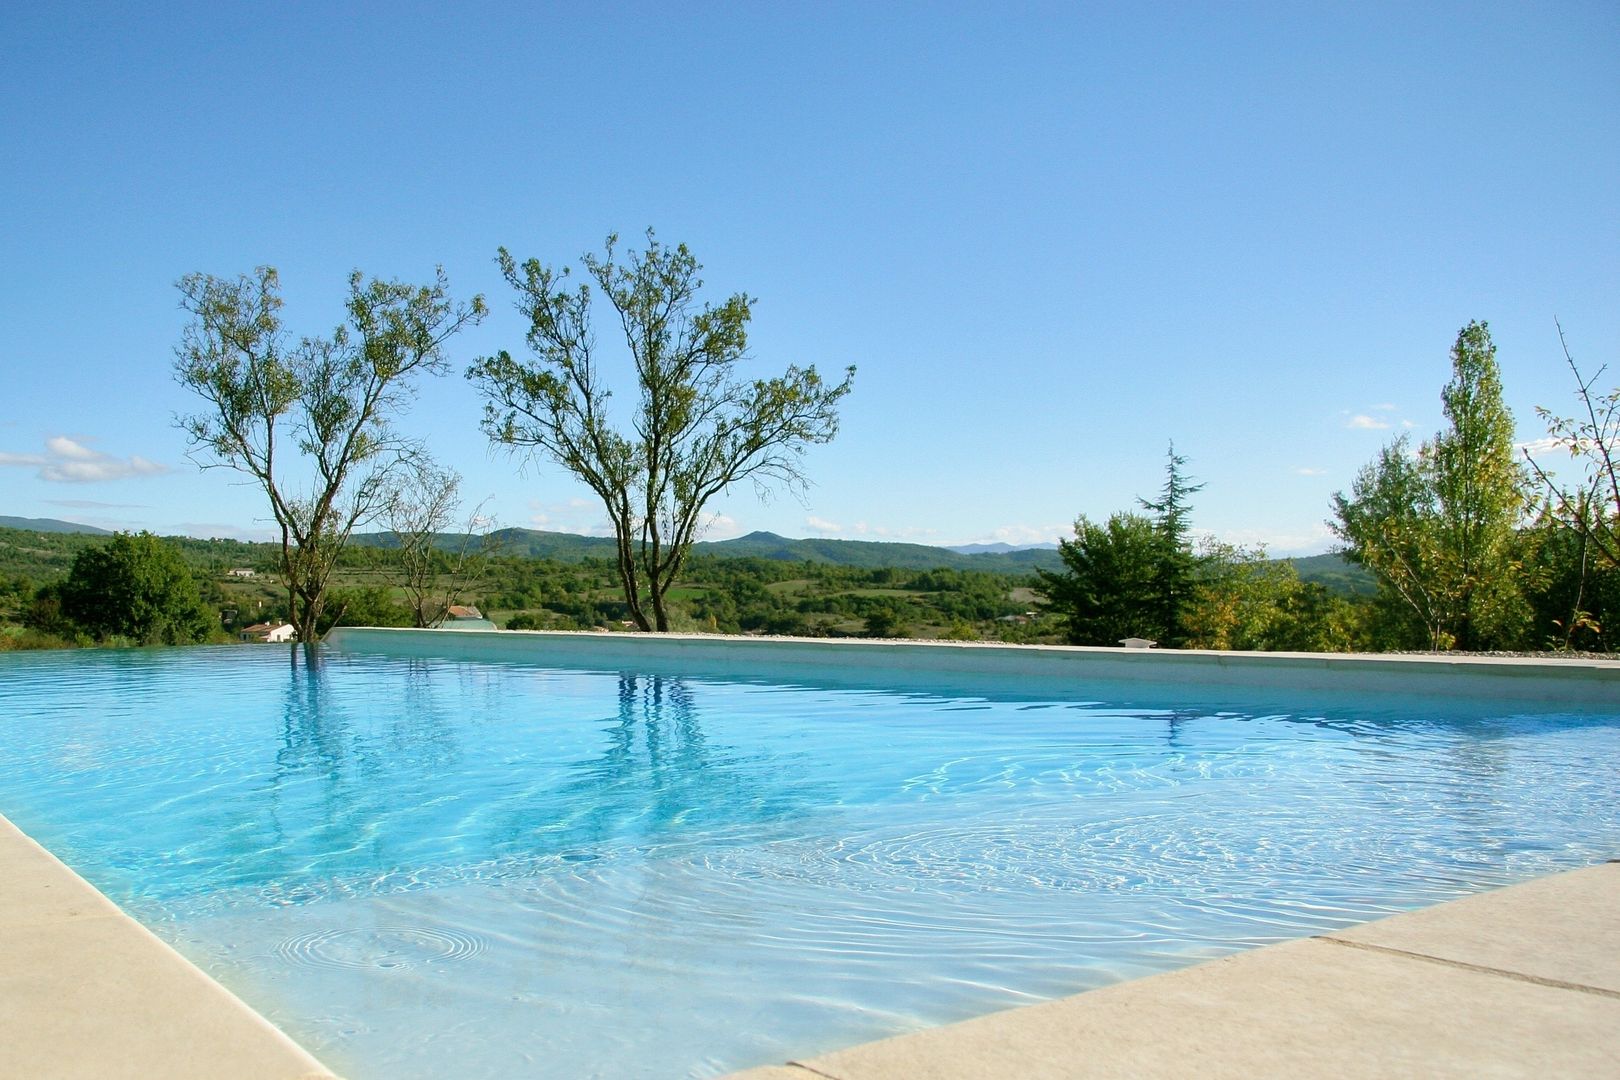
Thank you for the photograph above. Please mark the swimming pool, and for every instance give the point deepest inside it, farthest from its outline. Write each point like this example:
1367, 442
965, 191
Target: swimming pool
429, 865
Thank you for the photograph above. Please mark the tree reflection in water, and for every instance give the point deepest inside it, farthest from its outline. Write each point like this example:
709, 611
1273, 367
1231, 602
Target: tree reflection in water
660, 778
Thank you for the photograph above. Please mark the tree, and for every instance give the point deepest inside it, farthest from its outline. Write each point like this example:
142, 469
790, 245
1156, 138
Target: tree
136, 587
1136, 576
1591, 508
1176, 567
313, 423
435, 577
1439, 530
1111, 571
1386, 525
696, 429
1244, 601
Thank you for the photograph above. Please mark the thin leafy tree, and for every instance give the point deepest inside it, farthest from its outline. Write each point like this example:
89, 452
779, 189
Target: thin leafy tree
1440, 529
434, 567
1590, 507
697, 426
312, 422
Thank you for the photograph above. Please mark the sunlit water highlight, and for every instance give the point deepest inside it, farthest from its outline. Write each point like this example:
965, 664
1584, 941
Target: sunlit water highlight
424, 868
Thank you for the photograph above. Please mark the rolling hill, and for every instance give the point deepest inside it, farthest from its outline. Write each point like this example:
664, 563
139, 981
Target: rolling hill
865, 554
49, 525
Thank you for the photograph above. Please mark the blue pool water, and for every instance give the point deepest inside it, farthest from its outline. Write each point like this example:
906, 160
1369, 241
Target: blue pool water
429, 867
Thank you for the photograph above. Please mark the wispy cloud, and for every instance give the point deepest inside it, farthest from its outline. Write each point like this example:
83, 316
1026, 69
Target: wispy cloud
579, 516
1363, 422
720, 527
208, 529
1539, 447
891, 532
1282, 545
822, 527
92, 504
70, 461
1026, 534
1304, 470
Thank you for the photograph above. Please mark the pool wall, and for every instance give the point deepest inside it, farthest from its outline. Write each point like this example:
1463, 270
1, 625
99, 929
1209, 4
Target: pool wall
1538, 684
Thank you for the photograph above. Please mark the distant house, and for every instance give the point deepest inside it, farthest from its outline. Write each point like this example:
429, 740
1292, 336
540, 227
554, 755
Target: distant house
465, 617
242, 572
269, 631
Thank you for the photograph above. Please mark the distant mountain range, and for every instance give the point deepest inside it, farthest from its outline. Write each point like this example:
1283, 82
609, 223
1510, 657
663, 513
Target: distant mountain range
1000, 548
1329, 570
49, 525
866, 554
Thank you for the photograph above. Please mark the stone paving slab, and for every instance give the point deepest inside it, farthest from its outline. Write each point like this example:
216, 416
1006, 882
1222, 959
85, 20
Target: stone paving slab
1513, 983
33, 888
87, 992
1306, 1008
1564, 929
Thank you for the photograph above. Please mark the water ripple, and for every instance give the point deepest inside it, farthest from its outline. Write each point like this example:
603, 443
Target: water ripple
382, 947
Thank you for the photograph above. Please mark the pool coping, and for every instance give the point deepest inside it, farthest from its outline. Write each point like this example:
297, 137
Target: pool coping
87, 991
1523, 981
1573, 682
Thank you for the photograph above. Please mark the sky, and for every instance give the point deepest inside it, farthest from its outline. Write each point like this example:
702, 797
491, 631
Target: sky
1052, 238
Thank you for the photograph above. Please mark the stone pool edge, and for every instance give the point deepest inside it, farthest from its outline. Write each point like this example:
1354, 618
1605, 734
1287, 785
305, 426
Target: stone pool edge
1572, 682
1522, 981
87, 991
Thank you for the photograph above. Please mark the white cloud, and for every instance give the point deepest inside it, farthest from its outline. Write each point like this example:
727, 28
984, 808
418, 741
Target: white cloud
1304, 470
231, 531
822, 527
1028, 534
1384, 407
720, 527
70, 461
887, 532
65, 448
1538, 447
1282, 545
578, 516
1363, 422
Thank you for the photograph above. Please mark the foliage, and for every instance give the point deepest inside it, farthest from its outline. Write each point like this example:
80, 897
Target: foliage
697, 428
373, 605
1245, 601
1440, 529
1112, 574
1590, 508
1135, 576
1574, 593
1175, 566
807, 597
311, 423
134, 587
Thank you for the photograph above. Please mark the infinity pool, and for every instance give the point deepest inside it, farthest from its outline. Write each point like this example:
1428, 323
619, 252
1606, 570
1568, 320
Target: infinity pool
423, 867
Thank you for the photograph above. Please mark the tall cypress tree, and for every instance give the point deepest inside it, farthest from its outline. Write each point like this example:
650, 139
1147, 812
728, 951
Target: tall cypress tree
1480, 493
1440, 530
1176, 567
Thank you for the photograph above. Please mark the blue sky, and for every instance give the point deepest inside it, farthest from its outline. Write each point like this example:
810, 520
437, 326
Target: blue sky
1051, 237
